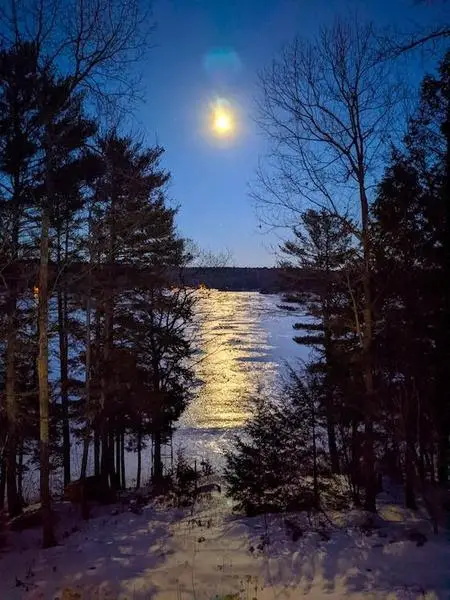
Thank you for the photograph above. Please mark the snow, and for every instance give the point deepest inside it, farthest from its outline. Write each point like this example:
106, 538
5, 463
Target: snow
209, 553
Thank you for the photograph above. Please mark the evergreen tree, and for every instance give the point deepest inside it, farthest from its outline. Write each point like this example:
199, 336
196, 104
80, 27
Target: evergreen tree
410, 225
322, 245
19, 145
157, 322
132, 226
277, 464
428, 146
64, 134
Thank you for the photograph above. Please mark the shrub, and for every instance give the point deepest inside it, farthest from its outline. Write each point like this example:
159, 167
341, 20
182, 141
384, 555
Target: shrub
186, 478
277, 464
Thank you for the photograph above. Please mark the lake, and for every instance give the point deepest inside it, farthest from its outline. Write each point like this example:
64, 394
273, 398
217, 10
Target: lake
244, 342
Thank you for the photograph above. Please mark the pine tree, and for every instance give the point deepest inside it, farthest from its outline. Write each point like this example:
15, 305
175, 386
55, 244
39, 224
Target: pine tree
74, 167
19, 132
322, 245
156, 322
429, 148
133, 230
64, 134
277, 464
410, 235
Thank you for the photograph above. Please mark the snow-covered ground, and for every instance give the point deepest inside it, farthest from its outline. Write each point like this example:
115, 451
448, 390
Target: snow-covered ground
210, 554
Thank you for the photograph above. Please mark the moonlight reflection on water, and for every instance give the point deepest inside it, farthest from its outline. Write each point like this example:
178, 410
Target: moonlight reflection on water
244, 338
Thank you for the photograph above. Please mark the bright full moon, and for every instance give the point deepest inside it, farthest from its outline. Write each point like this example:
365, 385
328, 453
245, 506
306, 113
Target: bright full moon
223, 122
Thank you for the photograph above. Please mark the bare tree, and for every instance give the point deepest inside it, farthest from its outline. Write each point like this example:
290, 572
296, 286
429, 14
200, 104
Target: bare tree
97, 43
328, 107
202, 258
429, 37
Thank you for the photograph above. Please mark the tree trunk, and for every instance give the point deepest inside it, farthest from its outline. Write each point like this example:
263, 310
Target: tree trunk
96, 451
314, 448
85, 455
64, 379
118, 463
104, 462
157, 460
20, 474
2, 483
105, 424
355, 465
369, 453
332, 444
87, 377
111, 470
139, 459
14, 505
367, 362
410, 497
44, 440
122, 460
329, 399
444, 413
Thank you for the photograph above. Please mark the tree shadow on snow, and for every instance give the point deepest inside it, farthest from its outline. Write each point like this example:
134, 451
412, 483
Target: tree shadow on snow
298, 554
114, 554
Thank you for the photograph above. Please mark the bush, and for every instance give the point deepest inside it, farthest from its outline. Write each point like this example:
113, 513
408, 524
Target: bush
276, 463
206, 467
186, 478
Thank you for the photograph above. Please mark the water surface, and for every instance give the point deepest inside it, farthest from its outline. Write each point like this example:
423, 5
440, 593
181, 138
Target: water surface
245, 342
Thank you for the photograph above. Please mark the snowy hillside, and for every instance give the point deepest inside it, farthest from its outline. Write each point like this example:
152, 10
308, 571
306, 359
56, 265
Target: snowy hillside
211, 554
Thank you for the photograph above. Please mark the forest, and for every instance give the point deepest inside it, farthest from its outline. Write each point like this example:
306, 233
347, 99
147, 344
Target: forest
373, 401
358, 172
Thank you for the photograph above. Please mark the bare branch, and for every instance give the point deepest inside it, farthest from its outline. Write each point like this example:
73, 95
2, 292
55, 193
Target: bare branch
327, 107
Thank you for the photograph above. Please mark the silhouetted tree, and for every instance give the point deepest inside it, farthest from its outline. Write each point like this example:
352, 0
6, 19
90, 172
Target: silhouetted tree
327, 106
19, 133
132, 226
278, 463
322, 245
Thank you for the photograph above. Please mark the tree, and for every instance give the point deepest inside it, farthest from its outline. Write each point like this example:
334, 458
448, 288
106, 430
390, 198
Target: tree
64, 135
321, 245
411, 257
132, 226
429, 147
157, 323
90, 43
327, 106
428, 37
19, 132
404, 346
97, 44
276, 464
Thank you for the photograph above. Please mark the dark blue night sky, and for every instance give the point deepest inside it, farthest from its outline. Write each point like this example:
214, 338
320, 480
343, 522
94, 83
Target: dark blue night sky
214, 48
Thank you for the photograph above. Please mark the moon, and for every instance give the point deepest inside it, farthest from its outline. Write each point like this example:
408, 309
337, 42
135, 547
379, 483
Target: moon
223, 120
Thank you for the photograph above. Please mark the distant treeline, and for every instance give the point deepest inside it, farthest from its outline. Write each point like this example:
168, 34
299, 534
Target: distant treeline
245, 279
